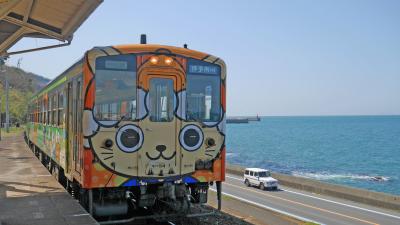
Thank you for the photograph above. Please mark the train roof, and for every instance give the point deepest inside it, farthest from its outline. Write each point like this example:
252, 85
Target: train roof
134, 48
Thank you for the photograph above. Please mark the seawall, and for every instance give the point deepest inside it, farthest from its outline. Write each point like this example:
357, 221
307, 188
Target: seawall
354, 194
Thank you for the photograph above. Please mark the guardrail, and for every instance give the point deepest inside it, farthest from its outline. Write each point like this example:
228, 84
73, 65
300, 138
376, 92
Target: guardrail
354, 194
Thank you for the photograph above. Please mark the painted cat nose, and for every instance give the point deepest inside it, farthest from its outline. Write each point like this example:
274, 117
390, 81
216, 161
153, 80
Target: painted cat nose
161, 148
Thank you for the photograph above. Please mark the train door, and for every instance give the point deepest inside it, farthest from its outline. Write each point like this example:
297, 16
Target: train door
74, 125
160, 153
78, 125
70, 123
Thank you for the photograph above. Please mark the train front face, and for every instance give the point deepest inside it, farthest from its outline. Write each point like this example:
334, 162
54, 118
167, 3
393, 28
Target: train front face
154, 123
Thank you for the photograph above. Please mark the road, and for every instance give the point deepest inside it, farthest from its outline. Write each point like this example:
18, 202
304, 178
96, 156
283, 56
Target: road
308, 206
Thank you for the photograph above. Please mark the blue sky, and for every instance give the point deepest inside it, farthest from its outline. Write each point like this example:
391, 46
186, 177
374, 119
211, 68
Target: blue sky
284, 57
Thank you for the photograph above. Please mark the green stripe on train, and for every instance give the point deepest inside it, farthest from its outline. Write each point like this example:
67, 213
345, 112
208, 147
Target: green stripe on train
52, 86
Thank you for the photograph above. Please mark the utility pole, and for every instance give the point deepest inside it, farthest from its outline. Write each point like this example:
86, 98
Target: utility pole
1, 117
7, 112
1, 97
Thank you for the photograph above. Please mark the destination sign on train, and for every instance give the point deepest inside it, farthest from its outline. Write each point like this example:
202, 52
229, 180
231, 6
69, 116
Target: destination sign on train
204, 69
119, 65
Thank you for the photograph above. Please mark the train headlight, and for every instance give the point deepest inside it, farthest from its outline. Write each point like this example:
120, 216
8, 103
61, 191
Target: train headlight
199, 165
191, 137
129, 138
210, 142
108, 143
168, 60
203, 164
154, 60
208, 164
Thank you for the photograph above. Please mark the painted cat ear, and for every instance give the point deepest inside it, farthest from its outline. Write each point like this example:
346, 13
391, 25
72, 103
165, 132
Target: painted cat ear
86, 143
181, 106
213, 124
222, 125
90, 127
103, 123
142, 113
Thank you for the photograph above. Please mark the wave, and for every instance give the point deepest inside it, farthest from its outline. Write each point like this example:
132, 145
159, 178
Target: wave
230, 154
328, 176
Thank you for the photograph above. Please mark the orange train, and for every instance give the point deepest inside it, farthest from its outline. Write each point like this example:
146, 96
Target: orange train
134, 126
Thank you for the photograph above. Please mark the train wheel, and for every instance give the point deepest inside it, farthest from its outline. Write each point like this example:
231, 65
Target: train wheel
49, 164
84, 198
35, 149
55, 172
41, 157
61, 177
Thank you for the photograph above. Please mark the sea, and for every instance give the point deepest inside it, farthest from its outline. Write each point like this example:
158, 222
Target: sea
357, 151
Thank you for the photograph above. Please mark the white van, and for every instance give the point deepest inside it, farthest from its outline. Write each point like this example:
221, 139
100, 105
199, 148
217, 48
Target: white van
260, 178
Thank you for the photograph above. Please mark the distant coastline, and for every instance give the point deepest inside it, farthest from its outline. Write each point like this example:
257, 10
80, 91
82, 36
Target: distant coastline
242, 119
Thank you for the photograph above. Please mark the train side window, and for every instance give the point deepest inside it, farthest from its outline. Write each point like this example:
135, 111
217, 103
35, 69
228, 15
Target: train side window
60, 116
251, 173
115, 87
39, 120
36, 111
46, 113
40, 111
48, 110
54, 109
44, 110
246, 172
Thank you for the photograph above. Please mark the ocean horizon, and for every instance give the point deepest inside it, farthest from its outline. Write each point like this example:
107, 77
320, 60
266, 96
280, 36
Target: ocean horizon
351, 150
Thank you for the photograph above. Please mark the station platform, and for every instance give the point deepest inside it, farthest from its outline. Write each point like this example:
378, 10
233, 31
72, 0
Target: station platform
28, 192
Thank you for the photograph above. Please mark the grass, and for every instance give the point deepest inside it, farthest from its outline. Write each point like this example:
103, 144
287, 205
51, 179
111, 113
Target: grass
12, 131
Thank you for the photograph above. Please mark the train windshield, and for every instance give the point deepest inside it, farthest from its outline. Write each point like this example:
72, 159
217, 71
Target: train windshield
161, 100
115, 88
203, 91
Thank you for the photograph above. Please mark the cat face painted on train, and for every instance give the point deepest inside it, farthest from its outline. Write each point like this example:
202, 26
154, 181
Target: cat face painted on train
151, 133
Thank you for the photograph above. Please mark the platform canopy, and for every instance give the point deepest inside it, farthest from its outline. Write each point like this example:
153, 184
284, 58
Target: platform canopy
50, 19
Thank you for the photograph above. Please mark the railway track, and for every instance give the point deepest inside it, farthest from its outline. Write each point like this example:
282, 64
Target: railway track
153, 222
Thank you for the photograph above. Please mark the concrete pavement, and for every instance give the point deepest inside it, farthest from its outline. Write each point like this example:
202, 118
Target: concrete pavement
28, 192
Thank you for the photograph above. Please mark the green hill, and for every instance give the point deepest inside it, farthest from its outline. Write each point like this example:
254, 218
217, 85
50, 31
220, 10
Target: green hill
22, 85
